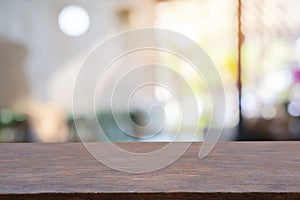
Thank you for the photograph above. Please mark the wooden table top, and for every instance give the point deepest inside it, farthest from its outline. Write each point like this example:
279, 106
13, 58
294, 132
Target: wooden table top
238, 170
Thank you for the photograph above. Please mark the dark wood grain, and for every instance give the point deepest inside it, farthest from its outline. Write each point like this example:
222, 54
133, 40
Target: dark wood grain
233, 170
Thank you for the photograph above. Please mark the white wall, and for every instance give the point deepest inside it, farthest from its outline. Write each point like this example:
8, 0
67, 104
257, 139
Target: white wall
53, 58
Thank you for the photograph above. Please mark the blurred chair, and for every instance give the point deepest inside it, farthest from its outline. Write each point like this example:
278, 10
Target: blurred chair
47, 121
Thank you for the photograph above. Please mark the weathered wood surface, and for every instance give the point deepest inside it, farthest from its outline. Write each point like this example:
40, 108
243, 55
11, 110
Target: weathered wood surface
233, 170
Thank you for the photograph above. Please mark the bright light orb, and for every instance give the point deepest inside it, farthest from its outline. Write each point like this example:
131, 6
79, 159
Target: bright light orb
74, 20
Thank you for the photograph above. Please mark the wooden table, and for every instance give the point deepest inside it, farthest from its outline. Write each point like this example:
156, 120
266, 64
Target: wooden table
233, 170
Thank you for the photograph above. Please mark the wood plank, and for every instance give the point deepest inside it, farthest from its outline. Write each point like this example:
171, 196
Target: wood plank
233, 170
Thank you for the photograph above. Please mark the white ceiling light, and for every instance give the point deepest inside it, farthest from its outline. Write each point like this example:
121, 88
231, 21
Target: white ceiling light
74, 20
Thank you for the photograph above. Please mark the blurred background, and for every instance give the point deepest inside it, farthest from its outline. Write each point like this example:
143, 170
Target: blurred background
255, 46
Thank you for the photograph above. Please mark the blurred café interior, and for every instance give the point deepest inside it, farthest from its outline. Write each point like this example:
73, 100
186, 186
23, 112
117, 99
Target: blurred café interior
255, 46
